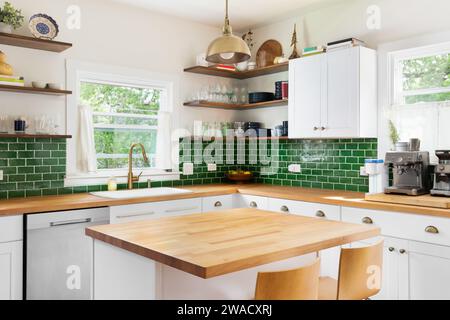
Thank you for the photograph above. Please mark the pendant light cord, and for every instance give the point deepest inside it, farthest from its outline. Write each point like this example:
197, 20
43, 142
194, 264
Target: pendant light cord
227, 28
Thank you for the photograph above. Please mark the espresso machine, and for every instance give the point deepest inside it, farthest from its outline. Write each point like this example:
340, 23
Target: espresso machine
411, 172
442, 174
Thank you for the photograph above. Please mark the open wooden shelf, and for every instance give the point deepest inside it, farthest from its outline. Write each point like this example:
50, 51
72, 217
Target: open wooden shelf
229, 106
31, 90
33, 43
247, 138
211, 71
32, 136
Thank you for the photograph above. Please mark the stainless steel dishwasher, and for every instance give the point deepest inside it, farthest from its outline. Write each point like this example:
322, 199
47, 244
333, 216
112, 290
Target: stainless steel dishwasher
59, 254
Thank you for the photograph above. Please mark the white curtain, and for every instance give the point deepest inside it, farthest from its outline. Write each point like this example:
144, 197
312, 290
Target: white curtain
163, 142
86, 155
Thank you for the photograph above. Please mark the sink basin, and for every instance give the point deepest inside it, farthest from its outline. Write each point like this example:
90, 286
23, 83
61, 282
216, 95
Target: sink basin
140, 193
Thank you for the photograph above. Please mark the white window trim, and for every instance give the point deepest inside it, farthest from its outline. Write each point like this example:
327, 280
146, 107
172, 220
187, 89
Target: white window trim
386, 76
93, 72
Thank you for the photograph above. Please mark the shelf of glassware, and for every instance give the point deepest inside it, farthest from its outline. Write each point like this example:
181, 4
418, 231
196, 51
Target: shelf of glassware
233, 106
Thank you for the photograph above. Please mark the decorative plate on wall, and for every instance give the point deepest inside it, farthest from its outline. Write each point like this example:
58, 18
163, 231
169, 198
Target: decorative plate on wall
268, 52
43, 26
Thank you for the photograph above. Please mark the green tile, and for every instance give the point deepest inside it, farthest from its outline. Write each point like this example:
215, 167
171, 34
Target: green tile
33, 193
25, 154
16, 178
17, 146
16, 194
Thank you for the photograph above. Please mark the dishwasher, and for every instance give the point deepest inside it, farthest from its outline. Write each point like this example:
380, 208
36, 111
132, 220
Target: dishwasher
58, 259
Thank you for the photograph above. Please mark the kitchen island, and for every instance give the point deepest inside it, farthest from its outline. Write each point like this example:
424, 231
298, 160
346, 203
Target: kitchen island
208, 256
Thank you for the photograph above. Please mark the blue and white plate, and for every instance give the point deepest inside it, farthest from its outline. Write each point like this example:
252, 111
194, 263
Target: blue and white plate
43, 26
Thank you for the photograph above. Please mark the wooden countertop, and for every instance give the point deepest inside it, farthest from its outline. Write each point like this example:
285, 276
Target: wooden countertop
334, 197
214, 244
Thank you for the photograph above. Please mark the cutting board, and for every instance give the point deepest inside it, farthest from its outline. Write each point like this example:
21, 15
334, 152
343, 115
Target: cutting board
422, 201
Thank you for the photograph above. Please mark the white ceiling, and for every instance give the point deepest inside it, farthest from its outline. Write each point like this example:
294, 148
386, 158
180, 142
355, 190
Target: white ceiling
243, 13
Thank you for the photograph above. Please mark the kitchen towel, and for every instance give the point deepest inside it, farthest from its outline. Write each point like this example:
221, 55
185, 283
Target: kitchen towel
86, 154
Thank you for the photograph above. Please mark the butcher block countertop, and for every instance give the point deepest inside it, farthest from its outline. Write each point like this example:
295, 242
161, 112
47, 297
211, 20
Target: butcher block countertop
214, 244
22, 206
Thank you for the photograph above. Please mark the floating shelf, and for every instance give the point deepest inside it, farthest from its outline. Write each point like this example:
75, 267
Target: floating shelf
32, 136
229, 106
31, 90
33, 43
211, 71
247, 138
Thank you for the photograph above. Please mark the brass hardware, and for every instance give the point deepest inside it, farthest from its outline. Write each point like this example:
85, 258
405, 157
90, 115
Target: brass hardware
323, 128
132, 178
432, 229
284, 209
391, 249
253, 204
402, 251
320, 214
367, 220
218, 204
316, 128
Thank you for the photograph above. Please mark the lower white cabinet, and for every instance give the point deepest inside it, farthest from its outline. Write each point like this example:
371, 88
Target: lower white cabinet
218, 203
11, 252
153, 210
248, 201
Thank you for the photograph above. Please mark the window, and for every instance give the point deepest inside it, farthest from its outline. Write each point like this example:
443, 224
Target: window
122, 115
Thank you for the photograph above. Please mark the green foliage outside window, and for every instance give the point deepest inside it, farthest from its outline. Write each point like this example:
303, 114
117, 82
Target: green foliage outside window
120, 103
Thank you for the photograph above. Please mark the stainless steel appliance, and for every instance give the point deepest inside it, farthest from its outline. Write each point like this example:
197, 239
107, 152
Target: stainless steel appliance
442, 174
59, 254
411, 173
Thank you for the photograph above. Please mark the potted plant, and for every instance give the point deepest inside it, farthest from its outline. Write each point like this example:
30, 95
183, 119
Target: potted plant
10, 18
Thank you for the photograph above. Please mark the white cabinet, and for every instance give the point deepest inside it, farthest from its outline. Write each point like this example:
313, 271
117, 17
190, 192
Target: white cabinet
218, 203
248, 201
11, 267
334, 95
152, 210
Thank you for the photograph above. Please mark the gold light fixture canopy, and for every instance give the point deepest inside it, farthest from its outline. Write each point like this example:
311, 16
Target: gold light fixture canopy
228, 49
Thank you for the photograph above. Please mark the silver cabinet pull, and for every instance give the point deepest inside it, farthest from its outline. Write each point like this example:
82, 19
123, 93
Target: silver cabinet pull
367, 220
391, 249
402, 251
284, 209
432, 229
320, 214
253, 204
135, 215
218, 204
181, 209
70, 222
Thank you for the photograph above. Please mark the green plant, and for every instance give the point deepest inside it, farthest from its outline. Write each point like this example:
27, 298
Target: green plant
393, 133
11, 16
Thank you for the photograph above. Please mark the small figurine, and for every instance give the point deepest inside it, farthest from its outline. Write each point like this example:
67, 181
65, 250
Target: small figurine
294, 42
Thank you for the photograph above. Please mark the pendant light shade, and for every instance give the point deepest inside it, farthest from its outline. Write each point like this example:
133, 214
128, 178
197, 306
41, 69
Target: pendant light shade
228, 49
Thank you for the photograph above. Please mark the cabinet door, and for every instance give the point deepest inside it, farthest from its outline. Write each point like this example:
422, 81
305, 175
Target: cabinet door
306, 96
254, 202
11, 270
429, 276
212, 204
340, 113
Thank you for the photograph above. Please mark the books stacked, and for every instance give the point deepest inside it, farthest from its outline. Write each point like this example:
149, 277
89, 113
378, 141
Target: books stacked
310, 51
344, 44
12, 81
225, 67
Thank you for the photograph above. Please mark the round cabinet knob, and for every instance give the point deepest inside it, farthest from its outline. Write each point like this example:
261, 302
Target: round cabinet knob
323, 128
253, 204
367, 220
320, 214
218, 204
316, 128
391, 249
432, 229
284, 209
402, 251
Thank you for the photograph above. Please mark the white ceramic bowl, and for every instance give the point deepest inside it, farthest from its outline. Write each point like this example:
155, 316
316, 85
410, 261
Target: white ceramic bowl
54, 86
39, 84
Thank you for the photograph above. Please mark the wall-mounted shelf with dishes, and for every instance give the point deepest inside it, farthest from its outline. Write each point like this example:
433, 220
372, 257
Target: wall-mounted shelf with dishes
31, 90
33, 43
34, 136
241, 75
229, 106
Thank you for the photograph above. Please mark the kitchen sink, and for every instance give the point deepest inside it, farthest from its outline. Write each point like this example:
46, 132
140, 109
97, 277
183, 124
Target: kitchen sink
140, 193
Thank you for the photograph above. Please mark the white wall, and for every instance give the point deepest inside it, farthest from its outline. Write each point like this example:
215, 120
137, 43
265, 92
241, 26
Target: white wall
117, 35
399, 19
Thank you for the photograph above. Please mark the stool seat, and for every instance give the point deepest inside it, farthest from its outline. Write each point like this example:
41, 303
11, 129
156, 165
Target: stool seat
328, 288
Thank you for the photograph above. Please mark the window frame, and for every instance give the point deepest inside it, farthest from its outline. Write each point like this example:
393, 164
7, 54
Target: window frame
78, 71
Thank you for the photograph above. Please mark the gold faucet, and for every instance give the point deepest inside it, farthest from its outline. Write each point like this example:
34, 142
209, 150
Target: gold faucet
132, 178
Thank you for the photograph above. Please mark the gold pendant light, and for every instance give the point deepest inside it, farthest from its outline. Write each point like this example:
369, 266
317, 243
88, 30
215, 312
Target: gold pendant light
228, 49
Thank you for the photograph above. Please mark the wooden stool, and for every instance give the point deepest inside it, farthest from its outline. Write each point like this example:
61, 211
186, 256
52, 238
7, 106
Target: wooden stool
359, 275
297, 284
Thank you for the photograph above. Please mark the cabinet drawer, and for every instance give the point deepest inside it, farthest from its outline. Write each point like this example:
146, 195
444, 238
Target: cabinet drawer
11, 228
153, 210
307, 209
403, 225
211, 204
255, 202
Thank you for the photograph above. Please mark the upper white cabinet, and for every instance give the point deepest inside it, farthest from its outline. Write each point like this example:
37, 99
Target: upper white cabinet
334, 95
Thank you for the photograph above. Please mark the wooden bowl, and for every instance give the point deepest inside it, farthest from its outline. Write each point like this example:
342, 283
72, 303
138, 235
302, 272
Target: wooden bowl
240, 177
